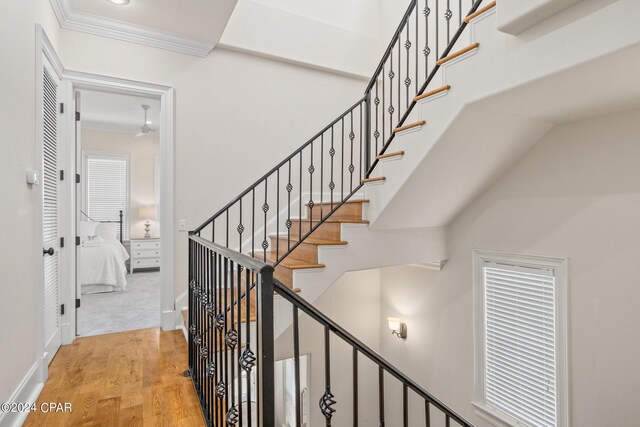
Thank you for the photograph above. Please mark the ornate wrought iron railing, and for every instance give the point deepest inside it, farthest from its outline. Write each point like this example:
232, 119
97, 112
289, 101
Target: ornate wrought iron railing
231, 348
231, 285
327, 170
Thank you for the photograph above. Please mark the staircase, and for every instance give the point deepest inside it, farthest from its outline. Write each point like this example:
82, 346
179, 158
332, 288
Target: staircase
261, 261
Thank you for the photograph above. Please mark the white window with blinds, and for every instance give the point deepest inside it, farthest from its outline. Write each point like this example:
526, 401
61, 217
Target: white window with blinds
107, 188
521, 372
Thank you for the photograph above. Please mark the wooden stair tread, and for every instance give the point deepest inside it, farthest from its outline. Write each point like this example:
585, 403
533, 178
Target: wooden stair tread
333, 221
290, 262
313, 241
410, 126
389, 155
432, 92
366, 180
337, 202
479, 12
458, 53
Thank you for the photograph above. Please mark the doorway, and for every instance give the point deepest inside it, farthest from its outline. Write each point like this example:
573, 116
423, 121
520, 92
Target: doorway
68, 205
118, 260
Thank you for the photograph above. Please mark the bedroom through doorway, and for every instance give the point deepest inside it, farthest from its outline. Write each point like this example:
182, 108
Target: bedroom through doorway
118, 212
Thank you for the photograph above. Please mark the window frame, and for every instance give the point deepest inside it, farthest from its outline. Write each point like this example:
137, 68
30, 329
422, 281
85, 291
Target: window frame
85, 188
560, 267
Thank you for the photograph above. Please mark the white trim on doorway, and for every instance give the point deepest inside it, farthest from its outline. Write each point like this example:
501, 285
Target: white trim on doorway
75, 80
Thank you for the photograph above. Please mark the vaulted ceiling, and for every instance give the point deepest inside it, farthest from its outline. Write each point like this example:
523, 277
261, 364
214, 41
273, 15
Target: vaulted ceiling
187, 26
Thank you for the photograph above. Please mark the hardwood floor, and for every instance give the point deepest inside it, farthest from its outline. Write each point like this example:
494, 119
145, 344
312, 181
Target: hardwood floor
122, 379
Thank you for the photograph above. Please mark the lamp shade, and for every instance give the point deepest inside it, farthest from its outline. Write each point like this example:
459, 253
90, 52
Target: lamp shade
394, 323
148, 212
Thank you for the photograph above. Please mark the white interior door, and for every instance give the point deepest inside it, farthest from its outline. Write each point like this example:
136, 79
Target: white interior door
50, 210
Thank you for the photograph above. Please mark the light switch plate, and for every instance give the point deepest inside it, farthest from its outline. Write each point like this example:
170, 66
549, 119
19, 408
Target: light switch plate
182, 225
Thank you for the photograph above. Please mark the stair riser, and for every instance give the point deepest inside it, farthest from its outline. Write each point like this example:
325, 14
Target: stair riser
284, 275
304, 251
328, 230
348, 211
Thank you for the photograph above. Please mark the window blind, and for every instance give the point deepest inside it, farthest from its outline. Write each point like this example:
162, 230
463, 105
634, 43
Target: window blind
520, 342
107, 189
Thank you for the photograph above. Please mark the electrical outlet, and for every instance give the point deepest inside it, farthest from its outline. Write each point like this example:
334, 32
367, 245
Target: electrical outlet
182, 225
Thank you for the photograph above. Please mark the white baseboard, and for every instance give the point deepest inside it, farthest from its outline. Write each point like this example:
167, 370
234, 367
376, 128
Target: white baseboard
182, 302
27, 392
168, 320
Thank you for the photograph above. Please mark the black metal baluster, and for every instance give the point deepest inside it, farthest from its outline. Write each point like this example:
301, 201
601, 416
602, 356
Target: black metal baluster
265, 209
437, 19
220, 318
321, 174
296, 366
351, 167
207, 309
399, 79
253, 222
342, 161
364, 165
288, 223
240, 228
227, 233
225, 394
459, 12
355, 387
332, 184
447, 421
239, 344
376, 133
407, 80
417, 41
231, 340
427, 50
278, 214
311, 203
384, 104
248, 356
328, 399
427, 413
300, 200
191, 305
381, 395
213, 369
447, 15
405, 406
391, 109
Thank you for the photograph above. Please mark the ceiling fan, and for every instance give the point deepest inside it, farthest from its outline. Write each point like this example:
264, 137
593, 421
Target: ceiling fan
145, 129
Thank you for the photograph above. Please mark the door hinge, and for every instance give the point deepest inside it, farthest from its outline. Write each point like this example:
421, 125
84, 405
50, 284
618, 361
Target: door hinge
77, 302
62, 310
61, 175
77, 116
77, 240
62, 242
61, 107
77, 178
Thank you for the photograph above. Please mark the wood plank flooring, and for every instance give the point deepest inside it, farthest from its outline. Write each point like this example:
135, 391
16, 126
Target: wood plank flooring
122, 379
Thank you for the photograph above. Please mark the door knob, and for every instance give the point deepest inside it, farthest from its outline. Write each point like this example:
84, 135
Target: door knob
49, 251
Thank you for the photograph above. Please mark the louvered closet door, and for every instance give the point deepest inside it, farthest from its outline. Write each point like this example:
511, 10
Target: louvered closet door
50, 212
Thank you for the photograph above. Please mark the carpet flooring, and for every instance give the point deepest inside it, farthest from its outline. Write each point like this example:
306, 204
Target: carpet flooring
137, 307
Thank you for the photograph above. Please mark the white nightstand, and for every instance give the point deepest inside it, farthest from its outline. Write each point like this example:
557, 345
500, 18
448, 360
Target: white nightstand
145, 253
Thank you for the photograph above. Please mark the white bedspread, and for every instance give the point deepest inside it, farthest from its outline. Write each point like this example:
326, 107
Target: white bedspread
104, 265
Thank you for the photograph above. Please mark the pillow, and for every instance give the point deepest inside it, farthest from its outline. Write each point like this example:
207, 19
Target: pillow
87, 229
108, 231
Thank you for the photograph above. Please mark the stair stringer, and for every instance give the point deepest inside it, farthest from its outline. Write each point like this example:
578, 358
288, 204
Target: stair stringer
479, 128
367, 249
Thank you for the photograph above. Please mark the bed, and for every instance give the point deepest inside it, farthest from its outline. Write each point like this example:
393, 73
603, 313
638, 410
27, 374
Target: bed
102, 257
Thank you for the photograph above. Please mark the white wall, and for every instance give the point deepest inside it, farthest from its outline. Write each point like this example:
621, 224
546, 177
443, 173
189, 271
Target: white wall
354, 303
576, 194
142, 152
18, 254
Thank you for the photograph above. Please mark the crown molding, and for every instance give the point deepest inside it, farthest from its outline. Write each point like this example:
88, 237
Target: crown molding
91, 24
